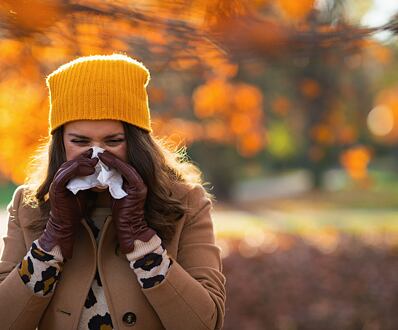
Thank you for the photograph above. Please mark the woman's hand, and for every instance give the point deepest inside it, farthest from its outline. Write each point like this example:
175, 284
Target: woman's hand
67, 209
128, 212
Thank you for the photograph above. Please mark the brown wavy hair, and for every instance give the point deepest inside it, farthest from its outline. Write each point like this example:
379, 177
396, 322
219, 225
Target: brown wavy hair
159, 164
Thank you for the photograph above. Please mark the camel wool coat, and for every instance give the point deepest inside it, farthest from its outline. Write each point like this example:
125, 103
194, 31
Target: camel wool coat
192, 296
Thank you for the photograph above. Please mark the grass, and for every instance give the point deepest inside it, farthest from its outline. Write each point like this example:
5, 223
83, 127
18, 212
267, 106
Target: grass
238, 224
6, 191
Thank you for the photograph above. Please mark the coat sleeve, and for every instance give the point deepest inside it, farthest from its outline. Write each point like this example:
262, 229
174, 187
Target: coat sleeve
27, 307
194, 286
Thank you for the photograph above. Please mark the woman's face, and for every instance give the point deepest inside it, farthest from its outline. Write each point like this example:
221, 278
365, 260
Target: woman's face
81, 135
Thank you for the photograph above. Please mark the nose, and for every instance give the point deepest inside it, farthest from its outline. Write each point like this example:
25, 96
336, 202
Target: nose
98, 144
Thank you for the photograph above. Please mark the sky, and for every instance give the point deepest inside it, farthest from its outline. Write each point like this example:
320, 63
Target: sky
379, 14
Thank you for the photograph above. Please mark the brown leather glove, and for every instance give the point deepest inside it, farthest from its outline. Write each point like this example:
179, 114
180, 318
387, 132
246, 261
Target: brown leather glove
128, 212
67, 209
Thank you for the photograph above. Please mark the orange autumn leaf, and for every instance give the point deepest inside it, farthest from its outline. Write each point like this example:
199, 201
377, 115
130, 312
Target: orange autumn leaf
239, 107
52, 54
218, 96
177, 130
379, 52
217, 131
310, 88
211, 98
322, 134
10, 47
182, 63
27, 103
355, 161
247, 98
156, 94
295, 10
347, 135
31, 15
219, 65
251, 143
240, 123
275, 41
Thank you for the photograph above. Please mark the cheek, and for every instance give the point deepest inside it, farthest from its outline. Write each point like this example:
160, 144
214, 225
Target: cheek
72, 151
120, 151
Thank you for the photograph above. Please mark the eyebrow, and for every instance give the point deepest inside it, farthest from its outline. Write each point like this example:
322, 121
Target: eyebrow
87, 138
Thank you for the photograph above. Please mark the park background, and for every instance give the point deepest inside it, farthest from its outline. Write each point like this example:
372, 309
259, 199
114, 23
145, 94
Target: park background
289, 107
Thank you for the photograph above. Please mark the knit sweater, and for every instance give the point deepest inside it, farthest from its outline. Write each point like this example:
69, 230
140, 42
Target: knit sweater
40, 271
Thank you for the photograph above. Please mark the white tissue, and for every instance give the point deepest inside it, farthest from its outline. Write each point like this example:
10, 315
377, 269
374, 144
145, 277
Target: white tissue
102, 177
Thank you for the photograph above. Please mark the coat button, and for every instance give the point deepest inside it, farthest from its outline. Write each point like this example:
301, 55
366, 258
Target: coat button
129, 318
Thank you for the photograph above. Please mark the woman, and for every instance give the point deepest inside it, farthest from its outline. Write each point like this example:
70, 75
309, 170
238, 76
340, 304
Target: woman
92, 261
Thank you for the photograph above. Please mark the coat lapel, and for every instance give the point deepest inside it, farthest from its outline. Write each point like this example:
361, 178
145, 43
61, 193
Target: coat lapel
74, 283
122, 290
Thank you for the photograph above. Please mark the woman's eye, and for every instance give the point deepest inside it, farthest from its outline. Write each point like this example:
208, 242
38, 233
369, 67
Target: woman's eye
115, 141
75, 141
110, 141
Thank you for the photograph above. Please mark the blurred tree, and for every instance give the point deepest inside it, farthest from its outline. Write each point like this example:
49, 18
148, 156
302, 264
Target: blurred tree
230, 72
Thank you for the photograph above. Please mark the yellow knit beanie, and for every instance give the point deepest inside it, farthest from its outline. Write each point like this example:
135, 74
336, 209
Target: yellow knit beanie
99, 87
